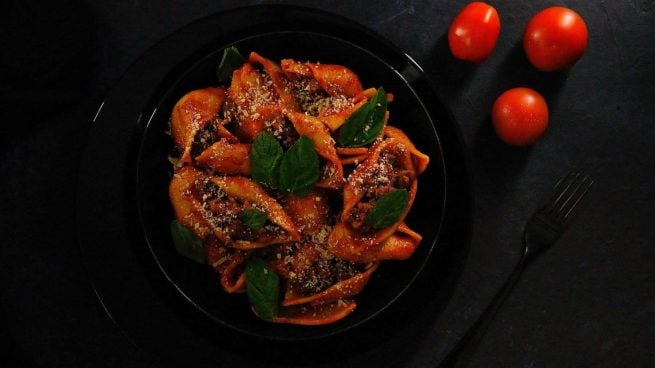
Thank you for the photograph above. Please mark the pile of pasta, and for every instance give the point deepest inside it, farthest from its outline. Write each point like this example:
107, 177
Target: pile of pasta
318, 244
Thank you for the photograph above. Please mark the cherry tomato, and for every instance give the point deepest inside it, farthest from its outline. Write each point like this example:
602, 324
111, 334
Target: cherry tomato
473, 34
555, 39
520, 116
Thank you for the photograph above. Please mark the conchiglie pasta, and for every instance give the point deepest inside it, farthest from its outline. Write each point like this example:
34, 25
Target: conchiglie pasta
321, 246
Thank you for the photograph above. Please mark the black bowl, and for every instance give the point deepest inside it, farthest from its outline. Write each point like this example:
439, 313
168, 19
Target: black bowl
199, 284
114, 213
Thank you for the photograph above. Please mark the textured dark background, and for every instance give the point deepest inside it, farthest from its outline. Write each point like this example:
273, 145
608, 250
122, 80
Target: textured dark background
590, 301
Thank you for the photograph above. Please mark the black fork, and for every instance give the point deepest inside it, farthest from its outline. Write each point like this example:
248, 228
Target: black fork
544, 228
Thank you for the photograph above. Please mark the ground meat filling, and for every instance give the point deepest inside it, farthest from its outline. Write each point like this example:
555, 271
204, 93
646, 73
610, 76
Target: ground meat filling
308, 95
314, 101
282, 130
378, 180
322, 274
204, 138
223, 212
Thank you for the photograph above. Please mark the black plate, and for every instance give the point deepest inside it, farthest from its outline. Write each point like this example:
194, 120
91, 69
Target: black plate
199, 285
152, 307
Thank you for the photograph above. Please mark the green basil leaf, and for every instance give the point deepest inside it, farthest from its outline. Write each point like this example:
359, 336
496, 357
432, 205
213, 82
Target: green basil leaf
265, 156
253, 218
231, 60
263, 286
365, 124
388, 209
187, 243
299, 169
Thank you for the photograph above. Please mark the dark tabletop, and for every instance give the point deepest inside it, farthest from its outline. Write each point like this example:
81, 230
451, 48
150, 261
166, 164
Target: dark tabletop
589, 301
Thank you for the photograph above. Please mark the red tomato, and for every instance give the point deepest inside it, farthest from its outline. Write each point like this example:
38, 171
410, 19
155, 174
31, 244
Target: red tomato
555, 39
473, 34
520, 116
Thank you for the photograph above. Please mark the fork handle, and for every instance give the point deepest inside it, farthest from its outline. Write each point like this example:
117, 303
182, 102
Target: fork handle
463, 351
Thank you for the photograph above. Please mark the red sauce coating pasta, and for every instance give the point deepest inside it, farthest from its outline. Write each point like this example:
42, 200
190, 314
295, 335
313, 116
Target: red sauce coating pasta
320, 245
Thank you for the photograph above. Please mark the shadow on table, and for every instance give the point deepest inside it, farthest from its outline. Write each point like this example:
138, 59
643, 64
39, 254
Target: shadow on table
50, 64
452, 75
515, 71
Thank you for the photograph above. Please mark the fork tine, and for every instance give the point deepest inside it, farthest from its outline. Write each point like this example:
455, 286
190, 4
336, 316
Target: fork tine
579, 198
560, 190
575, 185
